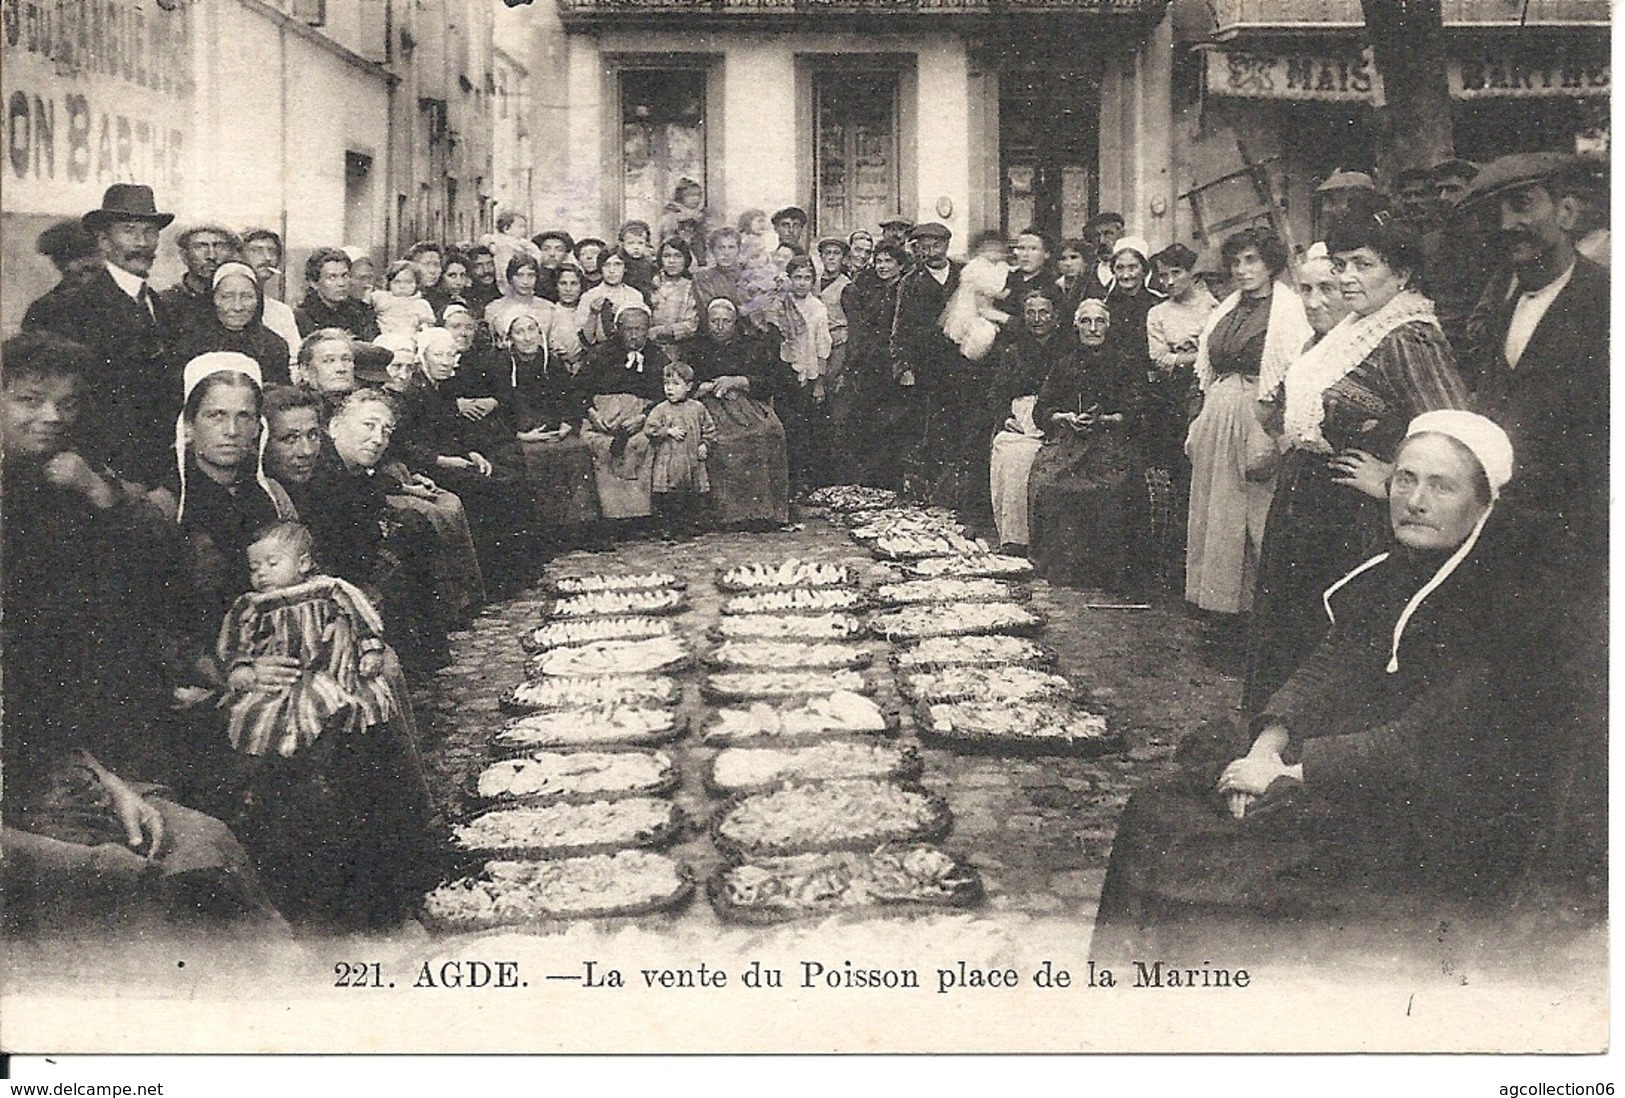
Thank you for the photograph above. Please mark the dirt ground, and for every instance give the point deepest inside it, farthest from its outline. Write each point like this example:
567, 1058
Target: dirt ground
1038, 830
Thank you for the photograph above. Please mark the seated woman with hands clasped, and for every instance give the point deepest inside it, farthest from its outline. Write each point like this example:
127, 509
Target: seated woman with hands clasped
1401, 757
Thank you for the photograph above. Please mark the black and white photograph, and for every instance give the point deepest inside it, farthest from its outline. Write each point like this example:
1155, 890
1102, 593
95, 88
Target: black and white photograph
805, 526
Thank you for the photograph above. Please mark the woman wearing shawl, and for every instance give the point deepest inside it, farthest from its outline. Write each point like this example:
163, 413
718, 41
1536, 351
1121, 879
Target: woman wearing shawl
1024, 364
1344, 404
548, 397
1085, 496
1244, 350
623, 375
738, 373
1399, 760
236, 323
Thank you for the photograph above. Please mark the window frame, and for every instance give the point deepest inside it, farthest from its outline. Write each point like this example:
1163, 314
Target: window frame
612, 165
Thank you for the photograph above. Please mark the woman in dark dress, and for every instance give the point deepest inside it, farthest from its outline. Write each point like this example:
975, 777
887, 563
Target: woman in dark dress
547, 397
623, 376
478, 459
880, 404
1036, 351
1342, 407
738, 373
1395, 766
1086, 497
237, 324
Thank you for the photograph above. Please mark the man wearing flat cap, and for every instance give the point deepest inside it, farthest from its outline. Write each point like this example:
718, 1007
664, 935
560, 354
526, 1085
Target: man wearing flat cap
924, 360
1102, 230
791, 225
131, 421
1537, 340
1455, 256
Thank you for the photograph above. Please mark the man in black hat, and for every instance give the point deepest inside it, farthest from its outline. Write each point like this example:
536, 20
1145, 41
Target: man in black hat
131, 421
791, 225
1537, 341
924, 360
1455, 257
71, 248
556, 246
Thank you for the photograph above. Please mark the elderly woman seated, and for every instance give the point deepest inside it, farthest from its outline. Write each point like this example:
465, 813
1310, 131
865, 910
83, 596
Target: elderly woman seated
87, 696
1403, 760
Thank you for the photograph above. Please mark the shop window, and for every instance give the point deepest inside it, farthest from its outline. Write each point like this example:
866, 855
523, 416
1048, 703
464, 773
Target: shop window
662, 137
855, 157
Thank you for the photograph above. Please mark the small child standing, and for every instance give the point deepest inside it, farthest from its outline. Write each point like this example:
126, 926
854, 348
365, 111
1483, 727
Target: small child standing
682, 432
325, 623
401, 309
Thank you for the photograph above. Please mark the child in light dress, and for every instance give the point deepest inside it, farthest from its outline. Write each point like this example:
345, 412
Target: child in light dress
401, 309
970, 319
682, 433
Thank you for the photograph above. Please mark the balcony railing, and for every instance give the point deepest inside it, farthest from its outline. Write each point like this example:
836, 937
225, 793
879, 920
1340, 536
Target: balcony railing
1234, 17
588, 11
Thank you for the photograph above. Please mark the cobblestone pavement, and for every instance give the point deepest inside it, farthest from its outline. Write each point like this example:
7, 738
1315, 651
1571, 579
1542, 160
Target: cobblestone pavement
1039, 830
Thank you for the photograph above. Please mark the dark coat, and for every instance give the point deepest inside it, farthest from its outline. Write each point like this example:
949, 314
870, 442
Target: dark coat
917, 340
350, 315
1555, 404
606, 371
256, 341
132, 405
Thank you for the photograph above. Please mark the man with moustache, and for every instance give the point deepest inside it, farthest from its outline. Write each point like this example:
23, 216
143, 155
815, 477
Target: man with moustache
1537, 341
927, 363
262, 250
120, 319
190, 302
1104, 228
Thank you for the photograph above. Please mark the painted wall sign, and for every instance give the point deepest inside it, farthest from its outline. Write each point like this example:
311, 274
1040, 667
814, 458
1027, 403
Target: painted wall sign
1490, 73
95, 92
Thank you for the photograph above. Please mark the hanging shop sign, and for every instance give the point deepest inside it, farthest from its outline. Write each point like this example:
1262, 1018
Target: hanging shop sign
95, 92
1487, 73
1249, 74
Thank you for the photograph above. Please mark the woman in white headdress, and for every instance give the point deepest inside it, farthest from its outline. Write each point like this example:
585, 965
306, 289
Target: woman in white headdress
1398, 758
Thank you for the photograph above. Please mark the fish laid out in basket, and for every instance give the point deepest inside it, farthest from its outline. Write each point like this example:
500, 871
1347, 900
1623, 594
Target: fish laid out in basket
557, 830
810, 627
991, 565
595, 692
798, 885
975, 649
559, 775
839, 713
866, 526
572, 632
851, 497
639, 581
910, 592
748, 769
784, 575
612, 657
954, 619
988, 684
1038, 727
628, 882
602, 604
744, 685
613, 725
858, 814
918, 546
780, 655
798, 600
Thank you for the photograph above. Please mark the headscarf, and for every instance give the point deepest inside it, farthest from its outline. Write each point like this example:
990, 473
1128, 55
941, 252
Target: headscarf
207, 365
1134, 244
1492, 449
238, 267
507, 324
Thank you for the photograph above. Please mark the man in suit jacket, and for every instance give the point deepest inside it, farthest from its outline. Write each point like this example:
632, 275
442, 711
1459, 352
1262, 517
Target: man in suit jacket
926, 361
1538, 342
133, 397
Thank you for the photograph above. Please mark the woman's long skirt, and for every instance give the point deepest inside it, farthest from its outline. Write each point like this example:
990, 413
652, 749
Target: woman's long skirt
1011, 465
1228, 510
1312, 539
566, 488
749, 463
1086, 511
623, 464
459, 583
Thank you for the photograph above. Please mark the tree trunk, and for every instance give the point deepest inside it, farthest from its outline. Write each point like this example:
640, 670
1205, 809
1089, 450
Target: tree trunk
1407, 42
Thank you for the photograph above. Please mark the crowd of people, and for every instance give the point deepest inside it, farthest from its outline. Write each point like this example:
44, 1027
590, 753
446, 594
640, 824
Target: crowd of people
236, 528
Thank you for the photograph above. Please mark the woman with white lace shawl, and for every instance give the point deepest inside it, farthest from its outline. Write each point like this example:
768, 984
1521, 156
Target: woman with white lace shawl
1344, 407
1245, 349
